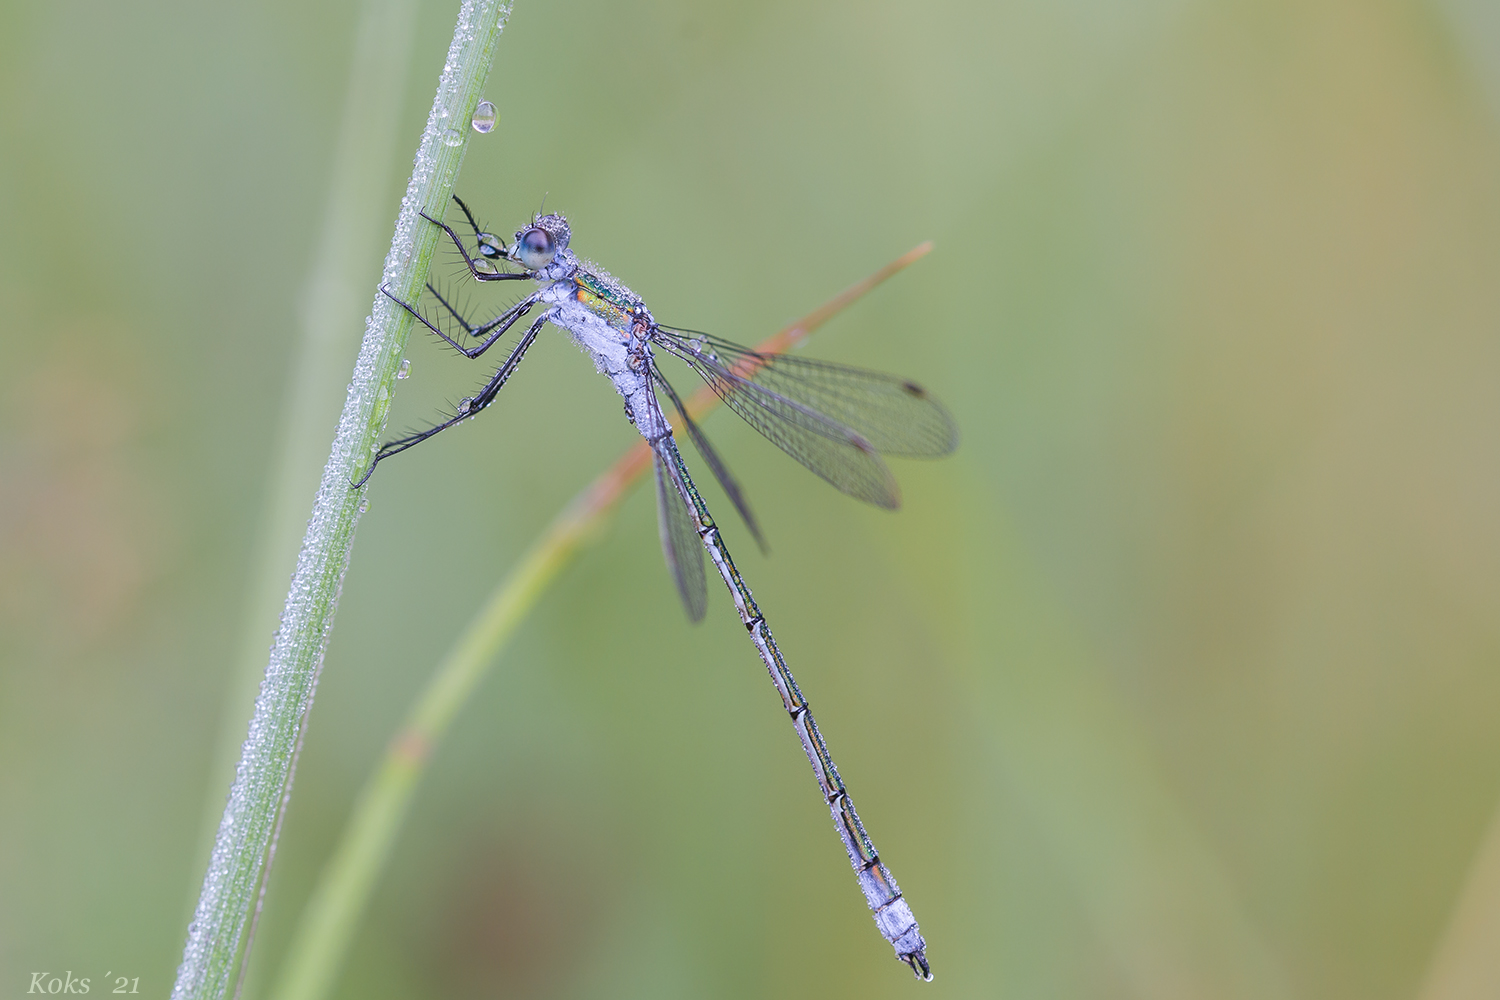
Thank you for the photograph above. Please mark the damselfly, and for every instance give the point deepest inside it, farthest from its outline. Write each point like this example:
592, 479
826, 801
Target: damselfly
835, 420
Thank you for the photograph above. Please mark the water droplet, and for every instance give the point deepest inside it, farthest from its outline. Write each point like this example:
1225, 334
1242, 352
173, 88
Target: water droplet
483, 266
452, 137
403, 369
484, 117
364, 504
493, 242
464, 404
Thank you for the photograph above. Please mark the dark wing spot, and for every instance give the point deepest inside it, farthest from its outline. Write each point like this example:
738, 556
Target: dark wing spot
913, 389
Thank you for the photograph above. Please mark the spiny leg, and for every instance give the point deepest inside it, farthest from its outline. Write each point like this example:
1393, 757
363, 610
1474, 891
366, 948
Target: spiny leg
466, 409
492, 331
474, 225
489, 246
893, 917
495, 328
475, 330
452, 310
479, 273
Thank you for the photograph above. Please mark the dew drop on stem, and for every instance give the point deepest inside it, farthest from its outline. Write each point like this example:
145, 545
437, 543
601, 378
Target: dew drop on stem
484, 117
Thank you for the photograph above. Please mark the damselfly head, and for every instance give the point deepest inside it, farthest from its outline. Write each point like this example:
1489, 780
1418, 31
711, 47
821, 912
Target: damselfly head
538, 243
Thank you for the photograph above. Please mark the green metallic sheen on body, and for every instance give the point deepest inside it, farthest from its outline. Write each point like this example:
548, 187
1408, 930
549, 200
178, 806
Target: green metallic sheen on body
606, 288
607, 299
606, 310
612, 314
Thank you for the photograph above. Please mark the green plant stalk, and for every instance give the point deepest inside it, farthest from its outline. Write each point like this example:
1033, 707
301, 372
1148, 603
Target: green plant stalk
1466, 962
262, 783
332, 915
354, 216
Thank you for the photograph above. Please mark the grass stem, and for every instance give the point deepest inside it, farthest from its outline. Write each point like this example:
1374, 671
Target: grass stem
355, 214
245, 840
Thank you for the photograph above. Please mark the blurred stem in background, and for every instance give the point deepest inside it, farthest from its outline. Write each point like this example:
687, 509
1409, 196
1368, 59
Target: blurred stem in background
337, 903
245, 841
1071, 755
330, 315
1466, 962
1466, 959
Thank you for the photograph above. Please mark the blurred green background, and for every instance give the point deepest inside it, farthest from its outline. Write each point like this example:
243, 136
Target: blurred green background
1177, 680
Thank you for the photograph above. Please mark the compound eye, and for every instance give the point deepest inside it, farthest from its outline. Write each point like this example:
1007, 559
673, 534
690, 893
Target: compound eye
535, 248
489, 246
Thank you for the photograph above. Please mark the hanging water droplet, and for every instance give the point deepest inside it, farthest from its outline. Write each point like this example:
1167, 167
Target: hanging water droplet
364, 504
490, 240
403, 369
484, 117
464, 404
452, 137
483, 266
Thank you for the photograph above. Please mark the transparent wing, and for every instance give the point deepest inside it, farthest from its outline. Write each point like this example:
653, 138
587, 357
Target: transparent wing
679, 542
833, 419
895, 415
727, 482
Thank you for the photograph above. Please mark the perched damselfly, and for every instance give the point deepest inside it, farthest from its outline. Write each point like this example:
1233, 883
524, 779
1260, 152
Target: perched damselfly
835, 420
